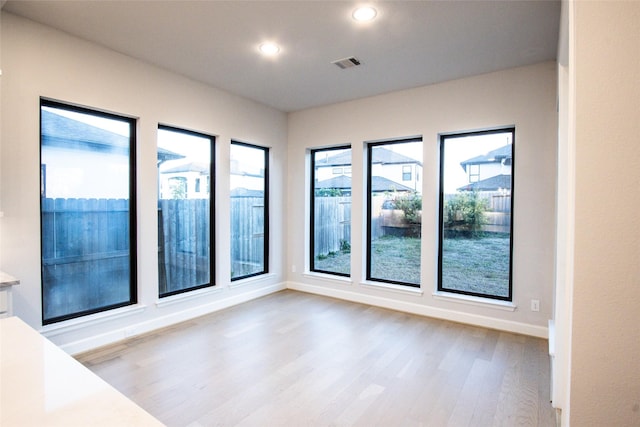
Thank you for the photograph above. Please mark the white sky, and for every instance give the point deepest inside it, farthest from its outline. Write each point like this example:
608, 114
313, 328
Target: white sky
195, 148
463, 148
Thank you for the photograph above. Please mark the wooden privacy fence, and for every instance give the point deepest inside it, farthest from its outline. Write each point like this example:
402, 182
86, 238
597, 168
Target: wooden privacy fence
85, 246
332, 224
183, 243
498, 213
247, 235
85, 254
185, 248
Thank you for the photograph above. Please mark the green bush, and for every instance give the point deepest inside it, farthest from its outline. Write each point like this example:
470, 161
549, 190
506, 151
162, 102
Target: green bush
411, 205
328, 192
465, 212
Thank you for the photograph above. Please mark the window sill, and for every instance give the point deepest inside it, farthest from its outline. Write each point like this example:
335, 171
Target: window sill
477, 301
92, 319
407, 290
186, 296
330, 277
251, 280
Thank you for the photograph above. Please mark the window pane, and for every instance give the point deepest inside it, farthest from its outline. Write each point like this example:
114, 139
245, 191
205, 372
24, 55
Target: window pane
87, 214
395, 212
331, 211
475, 214
184, 211
249, 210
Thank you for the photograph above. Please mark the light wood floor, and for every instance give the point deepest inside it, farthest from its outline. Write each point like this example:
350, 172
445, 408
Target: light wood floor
295, 359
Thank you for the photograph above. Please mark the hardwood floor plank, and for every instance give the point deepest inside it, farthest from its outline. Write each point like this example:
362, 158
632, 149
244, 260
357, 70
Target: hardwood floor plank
296, 359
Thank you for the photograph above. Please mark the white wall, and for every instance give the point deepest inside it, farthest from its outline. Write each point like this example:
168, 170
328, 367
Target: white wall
39, 61
605, 334
524, 97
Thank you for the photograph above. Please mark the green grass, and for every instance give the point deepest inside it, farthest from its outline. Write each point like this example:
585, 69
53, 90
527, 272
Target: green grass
396, 258
477, 265
473, 265
335, 262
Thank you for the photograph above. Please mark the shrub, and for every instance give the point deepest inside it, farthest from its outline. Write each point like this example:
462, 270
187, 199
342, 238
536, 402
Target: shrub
465, 212
411, 205
328, 192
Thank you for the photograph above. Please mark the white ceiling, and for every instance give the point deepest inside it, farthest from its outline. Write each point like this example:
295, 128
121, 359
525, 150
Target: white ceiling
409, 44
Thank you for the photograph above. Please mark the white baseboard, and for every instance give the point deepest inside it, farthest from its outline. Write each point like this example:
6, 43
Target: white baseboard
424, 310
134, 329
173, 318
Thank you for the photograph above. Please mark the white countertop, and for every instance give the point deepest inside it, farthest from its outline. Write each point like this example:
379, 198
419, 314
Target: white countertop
7, 280
41, 385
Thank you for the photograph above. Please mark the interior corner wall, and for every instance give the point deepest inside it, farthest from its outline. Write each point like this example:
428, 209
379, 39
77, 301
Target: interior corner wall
39, 61
605, 340
524, 97
559, 336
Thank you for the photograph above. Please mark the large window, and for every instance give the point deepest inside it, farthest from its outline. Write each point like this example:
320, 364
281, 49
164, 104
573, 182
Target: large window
249, 210
476, 189
331, 211
394, 212
185, 214
87, 211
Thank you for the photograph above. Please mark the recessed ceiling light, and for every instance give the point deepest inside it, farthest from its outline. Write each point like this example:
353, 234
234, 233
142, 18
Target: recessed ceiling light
269, 48
365, 13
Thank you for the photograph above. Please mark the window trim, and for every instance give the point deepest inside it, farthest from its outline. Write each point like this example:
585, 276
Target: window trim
133, 271
212, 209
267, 154
442, 137
369, 187
312, 216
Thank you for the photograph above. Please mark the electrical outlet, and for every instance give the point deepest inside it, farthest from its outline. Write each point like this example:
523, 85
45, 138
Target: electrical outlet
293, 268
535, 305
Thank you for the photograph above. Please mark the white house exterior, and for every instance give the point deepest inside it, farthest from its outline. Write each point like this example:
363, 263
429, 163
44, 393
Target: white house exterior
490, 171
398, 172
70, 149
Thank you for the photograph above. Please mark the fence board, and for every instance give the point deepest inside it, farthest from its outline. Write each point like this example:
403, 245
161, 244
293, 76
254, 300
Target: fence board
85, 254
247, 235
332, 223
184, 250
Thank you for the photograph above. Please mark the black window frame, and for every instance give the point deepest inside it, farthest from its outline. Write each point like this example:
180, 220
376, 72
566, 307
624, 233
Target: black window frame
369, 149
312, 207
133, 285
443, 137
212, 209
267, 153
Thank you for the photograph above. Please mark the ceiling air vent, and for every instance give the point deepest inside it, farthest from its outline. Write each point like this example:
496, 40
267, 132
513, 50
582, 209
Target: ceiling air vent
352, 61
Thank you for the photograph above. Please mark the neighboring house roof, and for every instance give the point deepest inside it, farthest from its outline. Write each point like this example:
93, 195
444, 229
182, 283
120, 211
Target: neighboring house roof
342, 182
164, 155
341, 159
189, 167
379, 184
382, 155
493, 156
65, 132
388, 157
244, 192
493, 183
59, 130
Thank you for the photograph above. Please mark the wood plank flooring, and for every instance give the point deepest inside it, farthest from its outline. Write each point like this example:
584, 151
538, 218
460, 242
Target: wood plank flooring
296, 359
